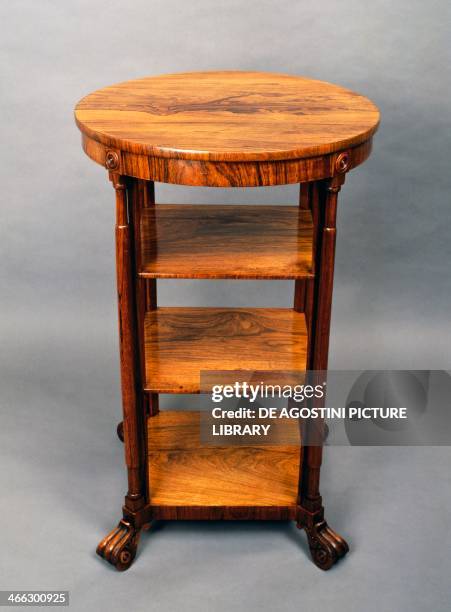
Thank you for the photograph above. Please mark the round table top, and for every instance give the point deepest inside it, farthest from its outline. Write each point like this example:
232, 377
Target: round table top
227, 116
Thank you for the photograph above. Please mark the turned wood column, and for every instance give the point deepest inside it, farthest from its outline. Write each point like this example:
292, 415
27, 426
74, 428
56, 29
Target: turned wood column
129, 349
318, 308
141, 195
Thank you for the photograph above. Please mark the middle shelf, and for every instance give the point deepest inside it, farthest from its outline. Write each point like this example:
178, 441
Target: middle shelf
180, 342
226, 241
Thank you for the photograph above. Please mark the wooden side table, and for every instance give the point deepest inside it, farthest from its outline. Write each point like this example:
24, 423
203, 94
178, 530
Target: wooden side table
221, 129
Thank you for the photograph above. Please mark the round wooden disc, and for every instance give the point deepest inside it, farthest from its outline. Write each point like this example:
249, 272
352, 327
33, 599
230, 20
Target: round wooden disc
227, 116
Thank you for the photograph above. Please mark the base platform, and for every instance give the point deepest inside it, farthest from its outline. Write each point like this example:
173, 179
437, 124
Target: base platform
190, 481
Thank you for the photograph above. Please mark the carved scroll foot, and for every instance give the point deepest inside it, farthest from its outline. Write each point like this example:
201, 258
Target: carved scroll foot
326, 546
119, 546
120, 431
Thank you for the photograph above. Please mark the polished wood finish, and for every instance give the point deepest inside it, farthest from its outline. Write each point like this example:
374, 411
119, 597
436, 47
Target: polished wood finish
325, 253
224, 513
211, 241
221, 129
226, 128
181, 430
205, 173
185, 474
224, 477
325, 275
180, 342
141, 201
119, 546
227, 116
128, 342
326, 545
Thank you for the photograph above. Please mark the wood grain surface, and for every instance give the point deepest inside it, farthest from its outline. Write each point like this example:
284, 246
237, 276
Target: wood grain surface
221, 173
180, 342
211, 241
184, 473
182, 430
227, 116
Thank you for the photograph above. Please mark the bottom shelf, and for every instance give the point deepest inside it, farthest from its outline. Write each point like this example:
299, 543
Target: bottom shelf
187, 480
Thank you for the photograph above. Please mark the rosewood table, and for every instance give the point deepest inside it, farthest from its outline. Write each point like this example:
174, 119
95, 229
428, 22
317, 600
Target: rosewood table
221, 129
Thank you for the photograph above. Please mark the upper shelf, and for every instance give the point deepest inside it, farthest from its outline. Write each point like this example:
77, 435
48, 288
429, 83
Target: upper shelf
211, 241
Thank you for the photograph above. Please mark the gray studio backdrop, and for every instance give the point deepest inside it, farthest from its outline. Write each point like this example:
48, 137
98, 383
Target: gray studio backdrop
61, 466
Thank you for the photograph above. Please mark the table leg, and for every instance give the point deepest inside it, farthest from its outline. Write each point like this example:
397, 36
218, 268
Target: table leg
141, 194
119, 546
326, 546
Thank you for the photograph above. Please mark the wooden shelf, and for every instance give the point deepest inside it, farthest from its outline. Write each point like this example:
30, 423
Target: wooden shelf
184, 476
211, 241
180, 342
